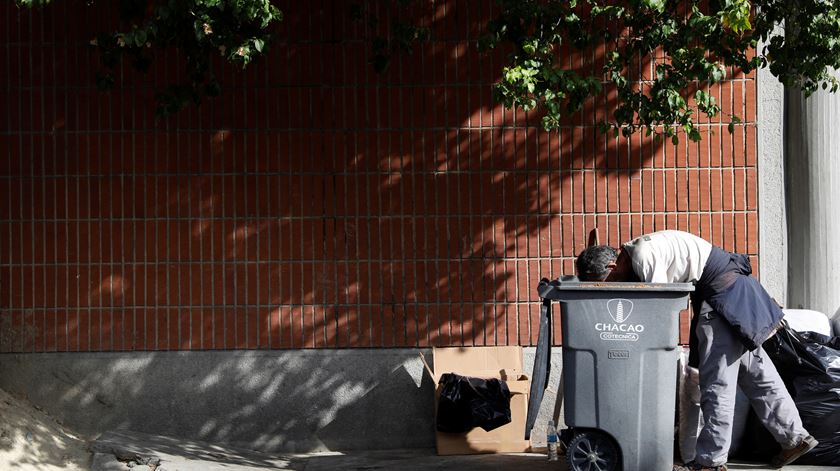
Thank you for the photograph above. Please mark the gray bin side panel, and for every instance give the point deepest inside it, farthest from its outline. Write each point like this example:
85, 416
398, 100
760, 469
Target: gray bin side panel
655, 431
579, 388
625, 388
638, 414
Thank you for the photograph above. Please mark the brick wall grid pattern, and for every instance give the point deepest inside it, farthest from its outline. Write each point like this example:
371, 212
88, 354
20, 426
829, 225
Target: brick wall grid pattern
317, 203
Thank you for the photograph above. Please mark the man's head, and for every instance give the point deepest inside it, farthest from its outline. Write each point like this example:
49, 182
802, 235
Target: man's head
604, 263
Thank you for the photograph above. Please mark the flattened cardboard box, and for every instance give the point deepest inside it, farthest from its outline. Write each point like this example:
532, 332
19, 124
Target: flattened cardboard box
485, 362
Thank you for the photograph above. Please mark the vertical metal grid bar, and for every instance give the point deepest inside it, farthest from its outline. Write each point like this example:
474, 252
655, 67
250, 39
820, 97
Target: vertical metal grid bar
222, 135
135, 225
64, 329
269, 189
77, 210
6, 317
406, 226
447, 192
308, 147
145, 156
231, 266
48, 285
285, 293
29, 125
206, 212
352, 160
167, 259
108, 179
408, 229
201, 222
23, 236
282, 190
266, 246
299, 247
99, 219
123, 277
156, 211
245, 230
333, 300
175, 264
376, 250
259, 164
323, 278
88, 269
378, 299
191, 222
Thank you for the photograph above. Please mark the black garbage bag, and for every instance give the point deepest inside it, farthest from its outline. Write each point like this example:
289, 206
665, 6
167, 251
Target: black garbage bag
810, 367
472, 402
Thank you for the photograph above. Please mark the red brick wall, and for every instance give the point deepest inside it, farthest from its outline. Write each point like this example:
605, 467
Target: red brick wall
318, 204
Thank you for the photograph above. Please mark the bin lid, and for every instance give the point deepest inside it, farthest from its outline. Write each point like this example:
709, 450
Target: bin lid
546, 287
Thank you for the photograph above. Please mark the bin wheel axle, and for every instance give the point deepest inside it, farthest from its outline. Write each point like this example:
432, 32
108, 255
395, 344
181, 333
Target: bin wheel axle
592, 451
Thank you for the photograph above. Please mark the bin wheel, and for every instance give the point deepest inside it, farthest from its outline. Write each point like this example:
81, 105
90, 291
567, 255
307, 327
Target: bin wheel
593, 451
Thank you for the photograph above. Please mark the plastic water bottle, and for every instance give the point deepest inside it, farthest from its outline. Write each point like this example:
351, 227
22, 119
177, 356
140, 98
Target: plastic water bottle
551, 440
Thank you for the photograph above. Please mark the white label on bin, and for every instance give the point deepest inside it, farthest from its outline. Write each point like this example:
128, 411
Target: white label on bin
619, 330
620, 337
620, 309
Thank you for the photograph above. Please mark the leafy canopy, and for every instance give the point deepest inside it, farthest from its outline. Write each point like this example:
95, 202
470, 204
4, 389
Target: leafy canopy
237, 31
683, 47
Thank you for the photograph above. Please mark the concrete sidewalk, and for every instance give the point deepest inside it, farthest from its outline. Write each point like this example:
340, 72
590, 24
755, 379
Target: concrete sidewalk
123, 451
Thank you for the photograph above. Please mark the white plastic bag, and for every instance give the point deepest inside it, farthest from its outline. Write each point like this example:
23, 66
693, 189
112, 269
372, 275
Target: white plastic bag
690, 416
806, 320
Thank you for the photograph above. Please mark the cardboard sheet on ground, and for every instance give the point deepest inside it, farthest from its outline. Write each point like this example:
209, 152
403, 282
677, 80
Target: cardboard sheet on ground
485, 362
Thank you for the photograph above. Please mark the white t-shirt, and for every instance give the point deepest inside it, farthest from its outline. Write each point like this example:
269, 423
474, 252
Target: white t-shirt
669, 257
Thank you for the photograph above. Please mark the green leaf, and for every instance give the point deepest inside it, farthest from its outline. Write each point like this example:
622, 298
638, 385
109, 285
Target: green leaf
140, 38
694, 134
675, 101
736, 15
660, 72
657, 5
258, 44
529, 48
718, 73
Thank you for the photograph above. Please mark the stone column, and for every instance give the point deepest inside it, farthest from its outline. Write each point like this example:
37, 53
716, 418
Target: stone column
772, 222
812, 181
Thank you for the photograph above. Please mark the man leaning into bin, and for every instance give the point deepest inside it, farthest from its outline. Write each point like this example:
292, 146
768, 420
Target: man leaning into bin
733, 316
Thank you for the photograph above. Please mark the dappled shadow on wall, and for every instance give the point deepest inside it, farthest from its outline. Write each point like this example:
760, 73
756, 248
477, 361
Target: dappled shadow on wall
319, 204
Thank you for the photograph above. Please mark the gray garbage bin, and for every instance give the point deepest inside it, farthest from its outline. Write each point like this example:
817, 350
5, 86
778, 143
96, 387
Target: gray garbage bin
619, 371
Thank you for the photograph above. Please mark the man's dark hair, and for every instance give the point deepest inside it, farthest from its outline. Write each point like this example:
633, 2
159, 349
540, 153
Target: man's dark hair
592, 263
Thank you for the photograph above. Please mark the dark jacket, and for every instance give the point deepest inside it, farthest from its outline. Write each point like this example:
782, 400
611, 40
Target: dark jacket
729, 289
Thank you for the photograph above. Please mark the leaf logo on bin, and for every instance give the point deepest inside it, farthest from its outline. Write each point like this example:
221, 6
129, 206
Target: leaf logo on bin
619, 330
620, 309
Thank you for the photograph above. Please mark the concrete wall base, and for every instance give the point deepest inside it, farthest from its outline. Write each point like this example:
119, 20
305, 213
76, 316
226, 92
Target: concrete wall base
273, 401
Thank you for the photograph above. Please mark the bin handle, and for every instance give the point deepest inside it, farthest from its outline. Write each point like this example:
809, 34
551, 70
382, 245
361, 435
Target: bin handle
542, 367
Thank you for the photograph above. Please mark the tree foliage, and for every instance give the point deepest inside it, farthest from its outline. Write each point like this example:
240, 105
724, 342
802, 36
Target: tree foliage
237, 31
657, 57
401, 36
